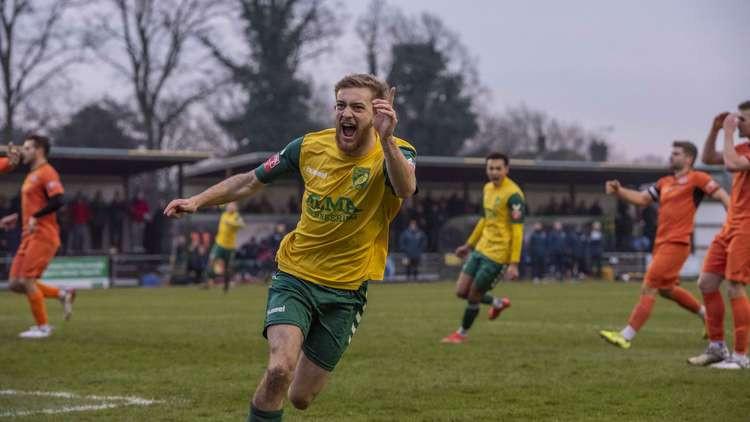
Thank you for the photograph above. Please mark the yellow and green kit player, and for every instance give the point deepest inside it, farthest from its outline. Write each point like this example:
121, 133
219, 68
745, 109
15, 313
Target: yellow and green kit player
496, 242
355, 178
225, 244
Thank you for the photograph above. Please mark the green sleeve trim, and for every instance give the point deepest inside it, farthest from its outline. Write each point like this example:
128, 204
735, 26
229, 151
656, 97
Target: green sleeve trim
280, 164
517, 208
410, 155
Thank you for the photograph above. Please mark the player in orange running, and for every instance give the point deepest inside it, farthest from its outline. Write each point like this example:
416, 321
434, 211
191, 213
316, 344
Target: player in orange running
728, 256
41, 196
678, 196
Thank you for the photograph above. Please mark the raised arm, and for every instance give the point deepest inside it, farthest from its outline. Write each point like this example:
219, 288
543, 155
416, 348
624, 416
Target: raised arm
401, 171
239, 186
641, 198
732, 160
710, 155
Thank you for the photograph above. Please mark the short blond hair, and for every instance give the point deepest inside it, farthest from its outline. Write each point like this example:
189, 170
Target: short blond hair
378, 87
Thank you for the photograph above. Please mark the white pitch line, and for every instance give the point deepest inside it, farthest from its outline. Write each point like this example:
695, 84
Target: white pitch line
123, 401
58, 410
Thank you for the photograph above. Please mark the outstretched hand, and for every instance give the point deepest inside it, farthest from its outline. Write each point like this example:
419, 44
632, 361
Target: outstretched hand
179, 207
9, 221
719, 120
463, 251
385, 116
512, 272
14, 155
612, 187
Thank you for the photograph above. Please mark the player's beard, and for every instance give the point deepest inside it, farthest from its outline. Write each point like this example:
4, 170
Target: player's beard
353, 143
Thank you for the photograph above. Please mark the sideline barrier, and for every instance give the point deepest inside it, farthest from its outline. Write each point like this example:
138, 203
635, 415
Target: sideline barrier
101, 271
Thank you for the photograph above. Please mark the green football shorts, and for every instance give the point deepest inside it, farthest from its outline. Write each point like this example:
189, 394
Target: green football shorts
486, 272
328, 317
218, 252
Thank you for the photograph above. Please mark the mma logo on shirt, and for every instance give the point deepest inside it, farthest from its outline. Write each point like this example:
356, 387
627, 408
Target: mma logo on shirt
360, 177
325, 208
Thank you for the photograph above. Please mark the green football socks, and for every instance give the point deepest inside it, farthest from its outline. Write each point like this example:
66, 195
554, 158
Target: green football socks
257, 415
470, 314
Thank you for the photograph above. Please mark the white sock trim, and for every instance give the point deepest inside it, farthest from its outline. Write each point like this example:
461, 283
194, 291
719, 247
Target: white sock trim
628, 332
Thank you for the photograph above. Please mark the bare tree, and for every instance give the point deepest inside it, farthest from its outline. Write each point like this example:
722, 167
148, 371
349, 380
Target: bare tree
525, 132
370, 30
272, 98
35, 50
428, 28
157, 51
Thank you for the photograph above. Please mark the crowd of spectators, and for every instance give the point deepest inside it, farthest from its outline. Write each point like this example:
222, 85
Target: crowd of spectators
261, 205
563, 251
253, 260
565, 206
635, 227
97, 225
431, 212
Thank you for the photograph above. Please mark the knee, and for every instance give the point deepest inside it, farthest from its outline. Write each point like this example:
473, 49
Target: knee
708, 283
17, 286
462, 294
300, 400
735, 290
649, 291
278, 377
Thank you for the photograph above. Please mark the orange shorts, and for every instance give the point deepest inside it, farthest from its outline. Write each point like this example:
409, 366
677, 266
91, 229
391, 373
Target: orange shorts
729, 256
32, 257
664, 271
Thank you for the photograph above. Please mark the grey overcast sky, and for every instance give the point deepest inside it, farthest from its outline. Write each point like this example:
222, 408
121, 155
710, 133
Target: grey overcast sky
654, 71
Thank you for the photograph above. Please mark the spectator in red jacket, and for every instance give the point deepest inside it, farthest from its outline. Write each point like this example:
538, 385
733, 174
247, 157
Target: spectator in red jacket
80, 214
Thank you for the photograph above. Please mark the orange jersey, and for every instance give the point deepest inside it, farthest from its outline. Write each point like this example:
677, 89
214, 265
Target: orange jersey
738, 218
678, 201
5, 165
39, 185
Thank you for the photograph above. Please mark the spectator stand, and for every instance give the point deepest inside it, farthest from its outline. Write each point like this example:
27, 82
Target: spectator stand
447, 206
88, 170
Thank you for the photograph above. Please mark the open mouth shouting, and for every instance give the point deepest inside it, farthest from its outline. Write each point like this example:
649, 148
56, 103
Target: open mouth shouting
348, 131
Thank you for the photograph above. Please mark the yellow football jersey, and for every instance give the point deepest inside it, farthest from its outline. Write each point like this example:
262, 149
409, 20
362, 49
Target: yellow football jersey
229, 224
499, 234
341, 239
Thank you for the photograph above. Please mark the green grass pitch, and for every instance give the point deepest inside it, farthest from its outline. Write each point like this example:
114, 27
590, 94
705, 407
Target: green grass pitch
200, 355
